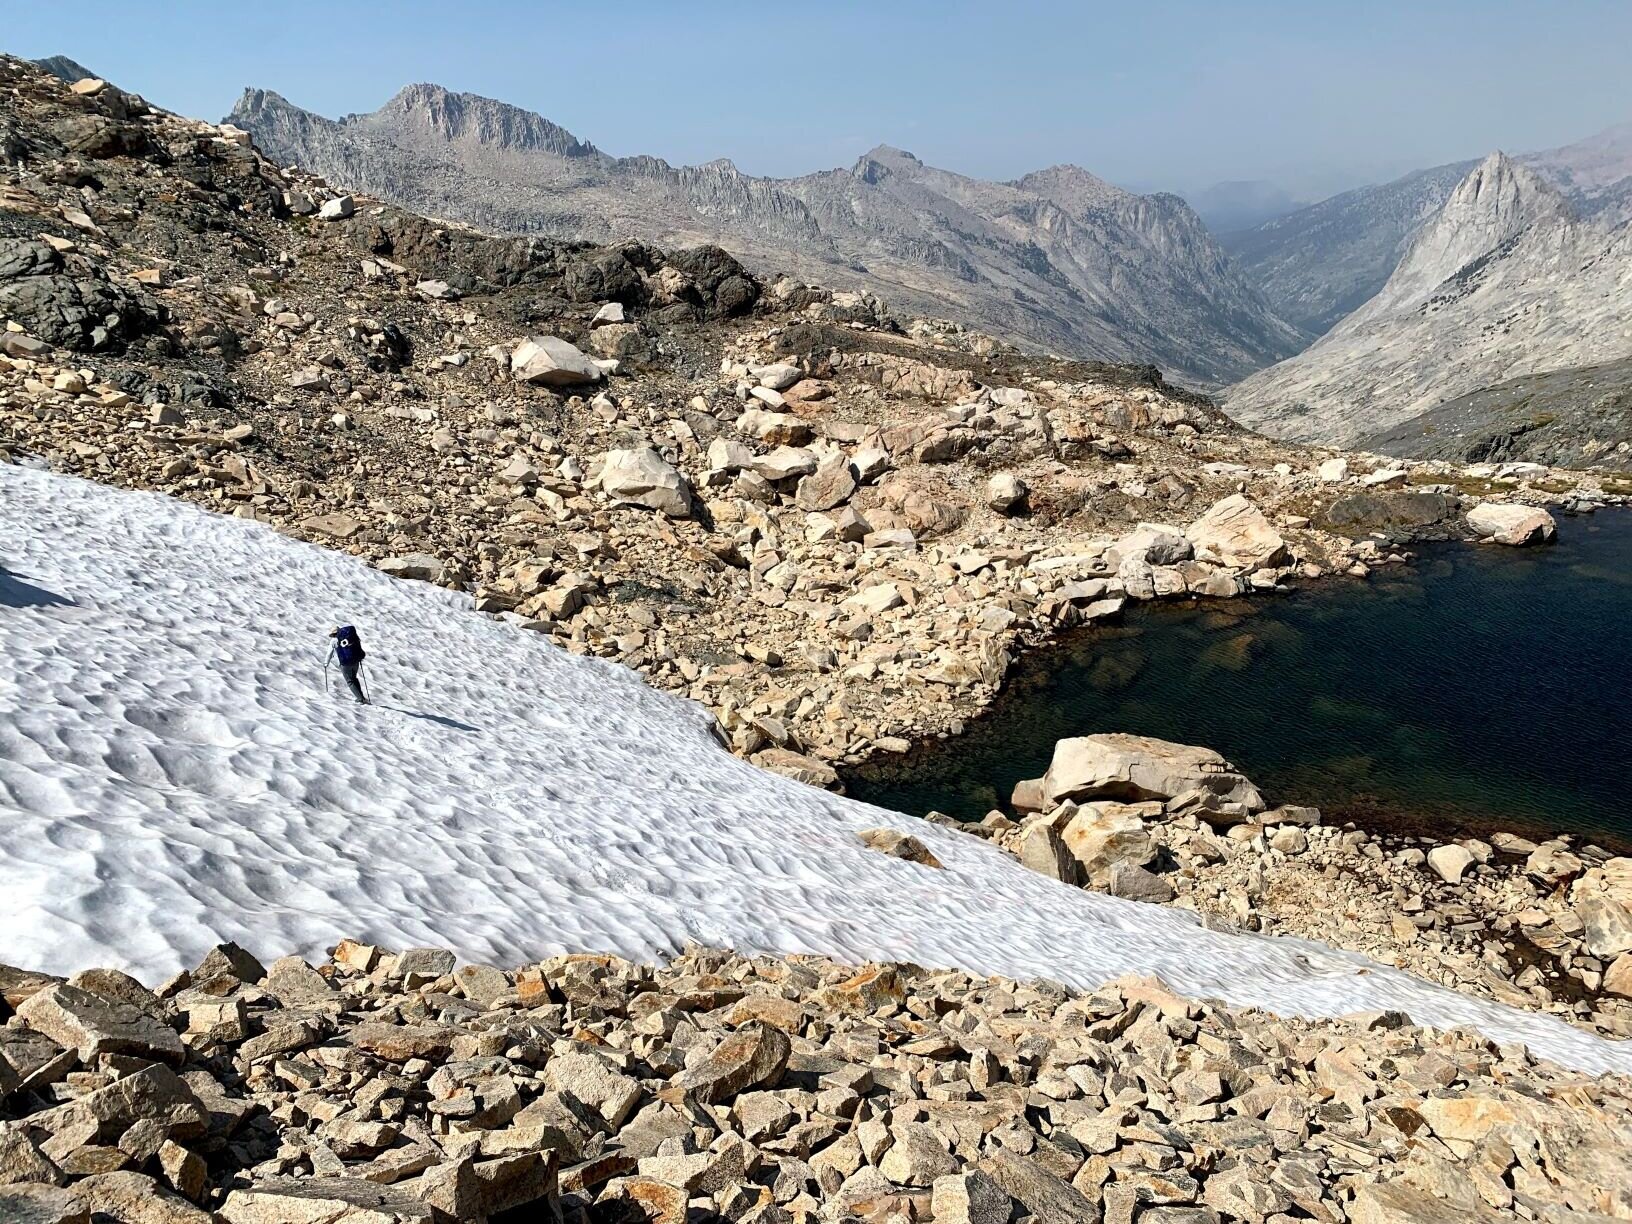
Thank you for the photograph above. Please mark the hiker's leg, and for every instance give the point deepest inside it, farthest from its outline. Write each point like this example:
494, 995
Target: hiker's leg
350, 674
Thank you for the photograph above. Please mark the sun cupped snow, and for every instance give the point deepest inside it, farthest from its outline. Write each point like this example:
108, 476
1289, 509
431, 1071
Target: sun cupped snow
174, 772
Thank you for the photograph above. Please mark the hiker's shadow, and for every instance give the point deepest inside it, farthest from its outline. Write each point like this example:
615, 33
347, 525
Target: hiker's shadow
15, 593
452, 724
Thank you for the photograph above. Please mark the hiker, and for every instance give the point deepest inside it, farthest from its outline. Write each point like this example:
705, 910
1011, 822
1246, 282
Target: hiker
348, 649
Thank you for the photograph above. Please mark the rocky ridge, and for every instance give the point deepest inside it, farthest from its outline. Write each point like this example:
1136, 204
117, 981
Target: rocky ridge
1575, 418
385, 1087
1058, 259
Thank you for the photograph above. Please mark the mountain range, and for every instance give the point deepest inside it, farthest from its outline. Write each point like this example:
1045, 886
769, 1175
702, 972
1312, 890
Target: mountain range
1058, 260
1317, 264
1508, 278
1336, 322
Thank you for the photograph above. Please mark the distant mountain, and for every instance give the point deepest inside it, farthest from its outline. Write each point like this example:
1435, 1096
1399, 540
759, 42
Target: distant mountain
65, 69
1506, 279
1058, 260
1319, 263
1242, 204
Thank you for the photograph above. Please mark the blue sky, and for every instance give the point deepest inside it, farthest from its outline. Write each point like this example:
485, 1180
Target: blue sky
1169, 94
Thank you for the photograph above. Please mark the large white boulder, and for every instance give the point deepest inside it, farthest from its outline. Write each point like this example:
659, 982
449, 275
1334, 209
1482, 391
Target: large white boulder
552, 362
778, 376
728, 455
642, 477
337, 209
1006, 493
1449, 862
1507, 523
1237, 533
1131, 768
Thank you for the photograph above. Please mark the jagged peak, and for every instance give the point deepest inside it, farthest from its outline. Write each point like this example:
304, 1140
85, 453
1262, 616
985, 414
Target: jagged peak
65, 69
1490, 210
456, 115
254, 99
1503, 191
882, 160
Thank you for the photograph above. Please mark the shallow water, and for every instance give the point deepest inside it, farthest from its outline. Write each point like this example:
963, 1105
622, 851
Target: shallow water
1479, 688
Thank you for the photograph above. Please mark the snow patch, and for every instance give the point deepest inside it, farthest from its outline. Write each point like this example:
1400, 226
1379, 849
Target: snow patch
173, 774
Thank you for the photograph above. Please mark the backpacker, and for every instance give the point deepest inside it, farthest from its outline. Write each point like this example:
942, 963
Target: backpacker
348, 647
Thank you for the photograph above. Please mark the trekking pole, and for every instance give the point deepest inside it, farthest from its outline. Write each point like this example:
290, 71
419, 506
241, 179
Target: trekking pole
362, 679
326, 661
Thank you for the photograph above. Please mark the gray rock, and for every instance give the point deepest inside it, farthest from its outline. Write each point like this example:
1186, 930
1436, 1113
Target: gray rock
1134, 883
969, 1198
154, 1093
309, 378
831, 485
18, 344
332, 1200
621, 341
1237, 533
728, 455
595, 1083
33, 1204
851, 527
22, 1161
481, 983
1042, 851
294, 982
1044, 1195
421, 567
752, 1057
778, 377
551, 362
138, 1198
784, 463
1151, 544
1608, 926
1449, 862
425, 963
93, 1025
642, 477
67, 302
917, 1155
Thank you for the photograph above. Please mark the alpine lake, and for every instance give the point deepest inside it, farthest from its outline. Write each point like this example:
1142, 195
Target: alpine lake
1478, 688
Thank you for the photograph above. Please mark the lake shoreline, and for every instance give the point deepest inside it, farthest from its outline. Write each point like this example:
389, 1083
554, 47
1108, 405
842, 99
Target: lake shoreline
1383, 814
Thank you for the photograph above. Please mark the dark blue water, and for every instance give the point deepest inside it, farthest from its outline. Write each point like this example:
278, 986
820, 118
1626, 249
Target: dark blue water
1479, 688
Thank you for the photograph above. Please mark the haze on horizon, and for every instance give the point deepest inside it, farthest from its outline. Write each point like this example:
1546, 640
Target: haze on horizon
1295, 100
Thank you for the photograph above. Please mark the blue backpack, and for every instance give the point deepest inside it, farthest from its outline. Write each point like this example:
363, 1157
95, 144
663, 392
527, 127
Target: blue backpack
348, 647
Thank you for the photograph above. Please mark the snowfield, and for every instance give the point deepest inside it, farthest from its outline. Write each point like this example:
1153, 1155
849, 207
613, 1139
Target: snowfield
173, 774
